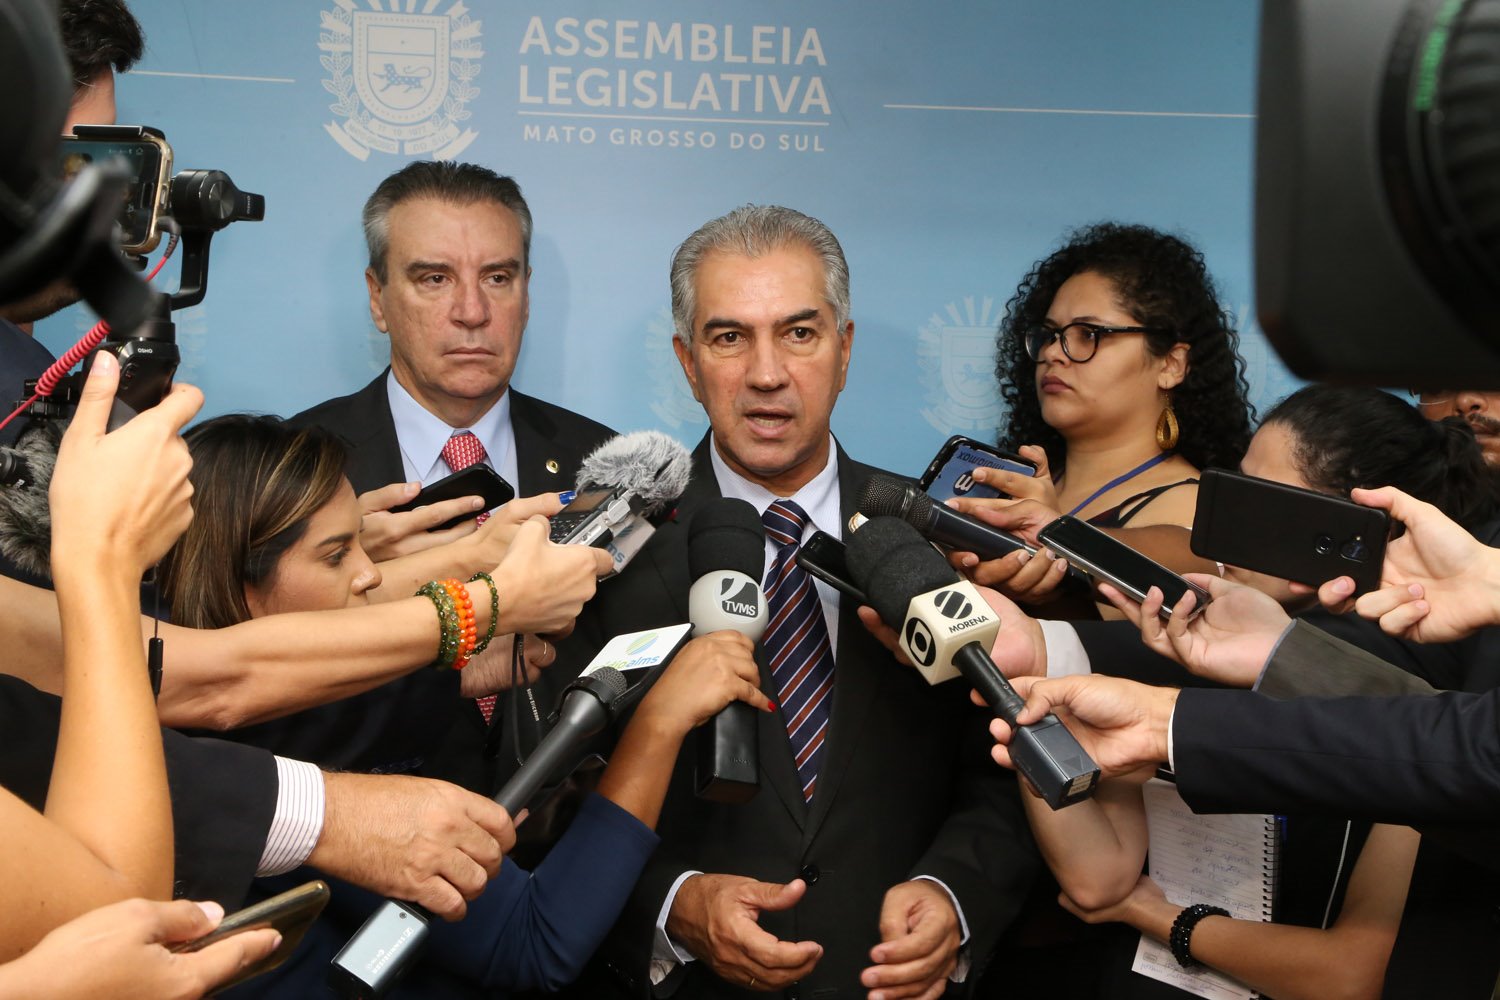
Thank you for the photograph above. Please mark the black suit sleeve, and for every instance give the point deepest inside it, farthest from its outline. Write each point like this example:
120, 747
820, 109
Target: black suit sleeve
223, 794
1413, 760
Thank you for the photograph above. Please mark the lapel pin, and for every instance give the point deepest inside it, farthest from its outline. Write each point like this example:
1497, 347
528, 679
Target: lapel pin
552, 466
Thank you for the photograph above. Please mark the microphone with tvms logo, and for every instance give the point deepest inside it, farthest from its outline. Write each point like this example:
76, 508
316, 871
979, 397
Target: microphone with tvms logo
389, 941
726, 557
946, 628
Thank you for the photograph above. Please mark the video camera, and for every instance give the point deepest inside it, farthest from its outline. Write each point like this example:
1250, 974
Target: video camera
191, 206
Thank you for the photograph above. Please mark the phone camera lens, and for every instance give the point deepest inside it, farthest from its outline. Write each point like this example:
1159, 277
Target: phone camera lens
1355, 550
1324, 545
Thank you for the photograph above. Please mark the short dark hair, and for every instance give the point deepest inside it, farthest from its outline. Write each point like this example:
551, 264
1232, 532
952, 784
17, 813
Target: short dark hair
100, 35
455, 183
1348, 436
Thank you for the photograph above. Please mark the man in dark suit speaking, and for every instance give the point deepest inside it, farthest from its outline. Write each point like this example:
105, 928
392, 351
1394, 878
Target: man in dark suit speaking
878, 857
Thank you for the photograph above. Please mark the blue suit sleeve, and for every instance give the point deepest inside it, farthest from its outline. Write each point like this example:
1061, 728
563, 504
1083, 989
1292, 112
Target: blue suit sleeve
535, 931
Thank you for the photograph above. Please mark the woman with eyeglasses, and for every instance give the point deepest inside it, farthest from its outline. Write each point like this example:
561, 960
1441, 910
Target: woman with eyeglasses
1122, 376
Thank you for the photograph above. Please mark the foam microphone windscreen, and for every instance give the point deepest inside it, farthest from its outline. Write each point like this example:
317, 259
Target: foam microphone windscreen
726, 534
653, 464
892, 563
887, 496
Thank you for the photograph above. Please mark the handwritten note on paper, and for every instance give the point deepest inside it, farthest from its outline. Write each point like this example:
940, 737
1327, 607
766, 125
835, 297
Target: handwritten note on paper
1225, 860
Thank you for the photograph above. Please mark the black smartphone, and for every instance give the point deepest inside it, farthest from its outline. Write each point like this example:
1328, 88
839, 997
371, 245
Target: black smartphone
951, 472
292, 913
822, 555
1106, 558
147, 159
475, 481
1289, 532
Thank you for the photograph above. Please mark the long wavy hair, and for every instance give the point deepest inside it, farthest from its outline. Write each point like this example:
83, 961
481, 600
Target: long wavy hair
1161, 281
256, 483
1347, 436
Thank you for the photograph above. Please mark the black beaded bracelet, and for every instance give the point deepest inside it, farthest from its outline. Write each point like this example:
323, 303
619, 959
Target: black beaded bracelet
1182, 931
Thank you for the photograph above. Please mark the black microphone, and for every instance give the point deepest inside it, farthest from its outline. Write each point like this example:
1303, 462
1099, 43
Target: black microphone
888, 496
946, 628
726, 557
390, 940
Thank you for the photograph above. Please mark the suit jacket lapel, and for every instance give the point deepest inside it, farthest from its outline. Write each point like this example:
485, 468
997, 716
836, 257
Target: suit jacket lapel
539, 462
374, 451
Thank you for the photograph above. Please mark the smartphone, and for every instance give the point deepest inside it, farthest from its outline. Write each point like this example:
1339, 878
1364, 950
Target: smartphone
1288, 532
475, 481
1107, 559
148, 161
822, 555
951, 472
292, 913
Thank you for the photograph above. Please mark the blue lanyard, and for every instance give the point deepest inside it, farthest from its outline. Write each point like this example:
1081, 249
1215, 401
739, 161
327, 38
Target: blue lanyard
1149, 463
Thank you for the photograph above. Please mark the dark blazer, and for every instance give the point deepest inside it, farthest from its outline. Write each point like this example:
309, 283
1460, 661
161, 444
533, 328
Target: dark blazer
550, 441
418, 722
907, 788
223, 794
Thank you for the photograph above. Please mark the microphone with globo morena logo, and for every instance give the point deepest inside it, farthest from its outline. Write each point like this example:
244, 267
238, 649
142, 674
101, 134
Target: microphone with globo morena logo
726, 557
946, 628
390, 940
625, 487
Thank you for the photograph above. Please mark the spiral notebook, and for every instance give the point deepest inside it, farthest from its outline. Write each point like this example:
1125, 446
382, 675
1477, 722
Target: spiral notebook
1221, 860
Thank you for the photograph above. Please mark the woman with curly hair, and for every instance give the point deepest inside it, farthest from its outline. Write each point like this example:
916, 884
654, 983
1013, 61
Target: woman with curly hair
1122, 376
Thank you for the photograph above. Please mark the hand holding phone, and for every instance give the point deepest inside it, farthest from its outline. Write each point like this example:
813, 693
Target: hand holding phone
476, 481
1106, 558
951, 472
291, 913
1288, 532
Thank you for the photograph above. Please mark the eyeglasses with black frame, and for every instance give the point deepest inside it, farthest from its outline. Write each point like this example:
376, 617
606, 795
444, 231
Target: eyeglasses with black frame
1079, 340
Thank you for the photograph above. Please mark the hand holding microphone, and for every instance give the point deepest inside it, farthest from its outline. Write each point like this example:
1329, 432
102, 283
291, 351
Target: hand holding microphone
946, 629
726, 556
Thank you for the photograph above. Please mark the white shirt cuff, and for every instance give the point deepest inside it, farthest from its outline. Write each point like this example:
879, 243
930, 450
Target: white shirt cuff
1065, 653
1171, 750
665, 954
961, 966
298, 821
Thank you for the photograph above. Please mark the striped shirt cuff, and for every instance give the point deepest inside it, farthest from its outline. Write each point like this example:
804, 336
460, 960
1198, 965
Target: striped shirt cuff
298, 821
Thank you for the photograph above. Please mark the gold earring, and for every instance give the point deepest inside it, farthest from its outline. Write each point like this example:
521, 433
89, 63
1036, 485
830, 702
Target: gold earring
1166, 429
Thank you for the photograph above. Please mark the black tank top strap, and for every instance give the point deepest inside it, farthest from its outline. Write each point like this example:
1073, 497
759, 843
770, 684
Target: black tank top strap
1121, 513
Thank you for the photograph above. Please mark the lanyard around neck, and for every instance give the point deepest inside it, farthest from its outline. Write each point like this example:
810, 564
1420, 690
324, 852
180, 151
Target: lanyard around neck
1149, 463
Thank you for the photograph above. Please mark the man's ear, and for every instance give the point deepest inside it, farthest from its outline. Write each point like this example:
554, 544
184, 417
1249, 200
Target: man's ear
685, 358
377, 311
846, 349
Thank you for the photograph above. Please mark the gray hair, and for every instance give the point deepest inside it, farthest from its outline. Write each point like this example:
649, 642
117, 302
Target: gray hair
754, 231
455, 183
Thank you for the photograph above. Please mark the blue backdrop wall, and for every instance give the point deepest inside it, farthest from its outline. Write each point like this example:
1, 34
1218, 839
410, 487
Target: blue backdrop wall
949, 144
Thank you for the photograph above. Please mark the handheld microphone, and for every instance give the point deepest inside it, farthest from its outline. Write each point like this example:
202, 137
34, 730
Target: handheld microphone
888, 496
626, 486
726, 556
946, 628
390, 940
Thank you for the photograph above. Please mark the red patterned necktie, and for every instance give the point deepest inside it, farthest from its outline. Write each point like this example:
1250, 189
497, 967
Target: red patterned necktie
461, 451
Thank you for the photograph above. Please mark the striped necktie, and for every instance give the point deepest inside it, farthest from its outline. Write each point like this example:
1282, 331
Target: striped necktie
796, 642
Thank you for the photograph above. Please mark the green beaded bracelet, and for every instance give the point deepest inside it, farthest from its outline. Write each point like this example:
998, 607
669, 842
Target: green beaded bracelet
450, 638
494, 610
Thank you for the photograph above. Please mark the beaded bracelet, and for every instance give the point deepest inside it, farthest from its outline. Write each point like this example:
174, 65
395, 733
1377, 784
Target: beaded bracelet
468, 635
449, 633
494, 610
1182, 931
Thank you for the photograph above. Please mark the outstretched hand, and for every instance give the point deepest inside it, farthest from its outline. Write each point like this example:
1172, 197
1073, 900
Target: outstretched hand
1229, 642
1121, 724
1438, 582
